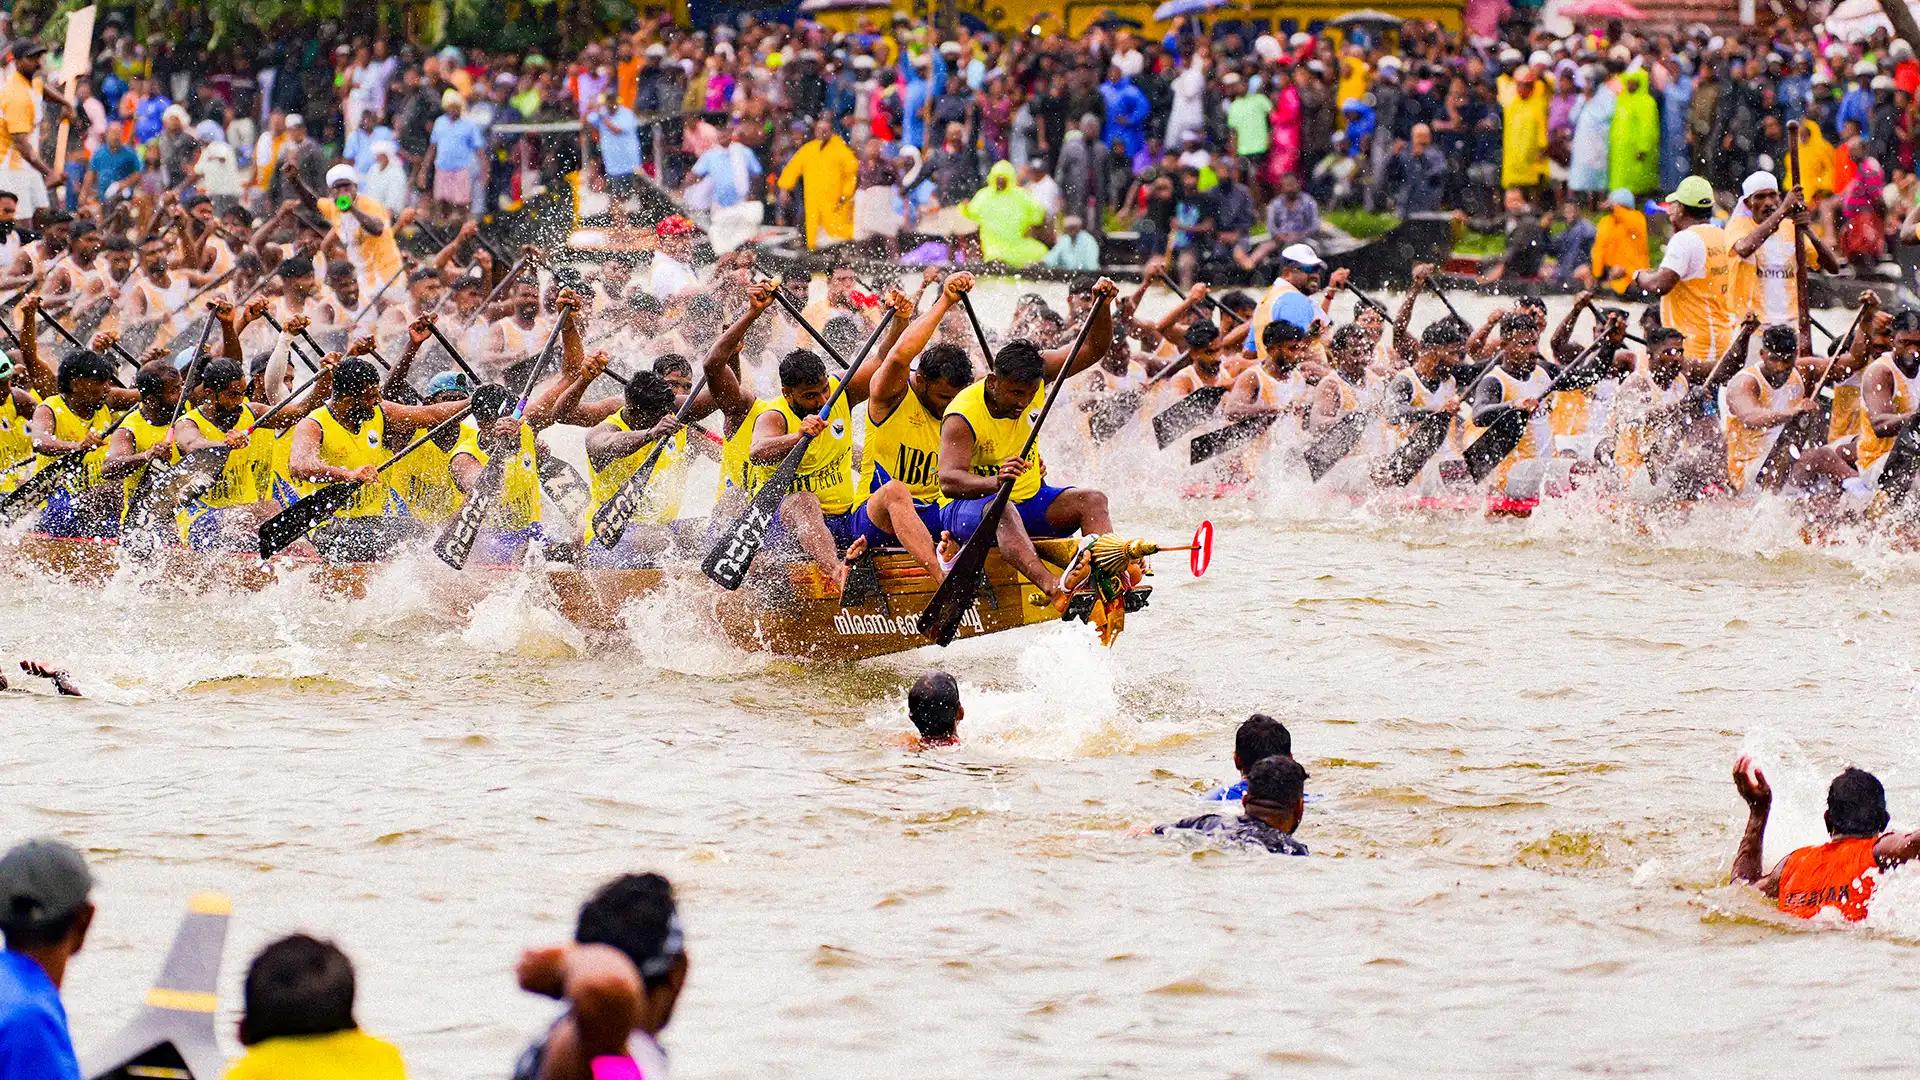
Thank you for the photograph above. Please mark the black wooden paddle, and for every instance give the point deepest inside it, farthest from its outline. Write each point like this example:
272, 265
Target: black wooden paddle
35, 489
456, 540
1186, 414
727, 563
955, 597
614, 515
306, 514
73, 339
1335, 443
1205, 447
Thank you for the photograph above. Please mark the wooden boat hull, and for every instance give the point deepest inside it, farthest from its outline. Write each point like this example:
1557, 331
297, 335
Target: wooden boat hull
784, 609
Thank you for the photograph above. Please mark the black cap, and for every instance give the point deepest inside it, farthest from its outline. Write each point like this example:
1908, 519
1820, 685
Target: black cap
41, 881
27, 47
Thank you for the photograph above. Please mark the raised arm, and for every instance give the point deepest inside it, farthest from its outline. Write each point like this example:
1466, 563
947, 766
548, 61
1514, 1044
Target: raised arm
723, 375
1753, 788
1093, 345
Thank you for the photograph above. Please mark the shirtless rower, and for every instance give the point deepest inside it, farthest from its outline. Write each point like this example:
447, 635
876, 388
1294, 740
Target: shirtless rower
985, 429
1838, 874
1887, 397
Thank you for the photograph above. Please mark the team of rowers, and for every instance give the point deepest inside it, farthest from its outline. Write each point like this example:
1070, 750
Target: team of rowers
1722, 398
234, 405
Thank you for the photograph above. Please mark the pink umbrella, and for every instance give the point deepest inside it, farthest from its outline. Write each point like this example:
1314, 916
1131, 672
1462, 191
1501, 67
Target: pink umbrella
1601, 9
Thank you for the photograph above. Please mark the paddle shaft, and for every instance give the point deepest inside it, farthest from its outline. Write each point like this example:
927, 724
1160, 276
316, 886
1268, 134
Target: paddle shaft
458, 360
294, 344
1803, 315
61, 329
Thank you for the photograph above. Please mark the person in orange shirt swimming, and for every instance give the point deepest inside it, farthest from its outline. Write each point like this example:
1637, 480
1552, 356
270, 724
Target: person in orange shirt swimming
1838, 874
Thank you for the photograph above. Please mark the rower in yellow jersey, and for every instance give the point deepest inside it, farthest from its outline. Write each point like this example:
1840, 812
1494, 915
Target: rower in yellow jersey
144, 439
20, 391
1889, 397
77, 418
985, 431
227, 516
348, 440
423, 480
1695, 278
738, 409
616, 448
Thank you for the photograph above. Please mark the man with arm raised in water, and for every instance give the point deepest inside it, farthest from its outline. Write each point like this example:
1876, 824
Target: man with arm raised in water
1838, 874
984, 431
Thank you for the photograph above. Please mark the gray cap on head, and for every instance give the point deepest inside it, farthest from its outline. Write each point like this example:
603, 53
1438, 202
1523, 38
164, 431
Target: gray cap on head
40, 881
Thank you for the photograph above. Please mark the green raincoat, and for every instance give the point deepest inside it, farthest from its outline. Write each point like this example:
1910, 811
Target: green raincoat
1004, 212
1633, 157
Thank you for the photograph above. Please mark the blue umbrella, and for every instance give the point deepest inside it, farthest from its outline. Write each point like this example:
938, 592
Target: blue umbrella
1174, 9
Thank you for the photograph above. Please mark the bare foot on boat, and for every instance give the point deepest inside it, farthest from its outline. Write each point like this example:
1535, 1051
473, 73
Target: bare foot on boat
854, 551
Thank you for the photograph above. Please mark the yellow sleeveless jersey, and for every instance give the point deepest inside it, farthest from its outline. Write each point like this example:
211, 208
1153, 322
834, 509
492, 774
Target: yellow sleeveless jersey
735, 451
239, 480
996, 441
1748, 447
146, 435
16, 445
69, 427
519, 480
1702, 308
664, 490
826, 469
424, 482
351, 448
1874, 447
905, 447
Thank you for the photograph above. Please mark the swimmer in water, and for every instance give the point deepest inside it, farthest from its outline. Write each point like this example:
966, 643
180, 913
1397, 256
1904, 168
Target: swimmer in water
1274, 804
1837, 874
60, 680
619, 979
1259, 738
933, 704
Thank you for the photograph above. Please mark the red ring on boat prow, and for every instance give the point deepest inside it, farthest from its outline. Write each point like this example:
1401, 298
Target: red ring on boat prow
1201, 556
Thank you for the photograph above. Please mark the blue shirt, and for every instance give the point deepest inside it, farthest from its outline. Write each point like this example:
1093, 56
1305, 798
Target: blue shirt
147, 117
619, 141
456, 143
731, 168
360, 144
111, 166
34, 1040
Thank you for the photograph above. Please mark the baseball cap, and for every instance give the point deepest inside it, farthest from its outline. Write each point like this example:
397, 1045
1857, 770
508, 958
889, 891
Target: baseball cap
1302, 255
28, 47
1621, 197
449, 382
1757, 183
1694, 191
41, 881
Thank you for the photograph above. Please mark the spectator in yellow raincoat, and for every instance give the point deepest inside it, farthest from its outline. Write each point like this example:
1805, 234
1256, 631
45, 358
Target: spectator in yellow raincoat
1523, 159
1816, 162
1004, 212
829, 169
1620, 243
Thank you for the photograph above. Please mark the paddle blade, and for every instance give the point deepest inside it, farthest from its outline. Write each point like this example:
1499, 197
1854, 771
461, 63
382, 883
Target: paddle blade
173, 1034
34, 489
1336, 443
301, 518
1111, 413
1212, 444
1495, 443
955, 597
611, 520
1422, 443
1201, 556
139, 339
565, 487
1186, 414
727, 563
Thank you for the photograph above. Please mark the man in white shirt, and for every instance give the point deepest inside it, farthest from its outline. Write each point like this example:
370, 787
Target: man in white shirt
1042, 186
